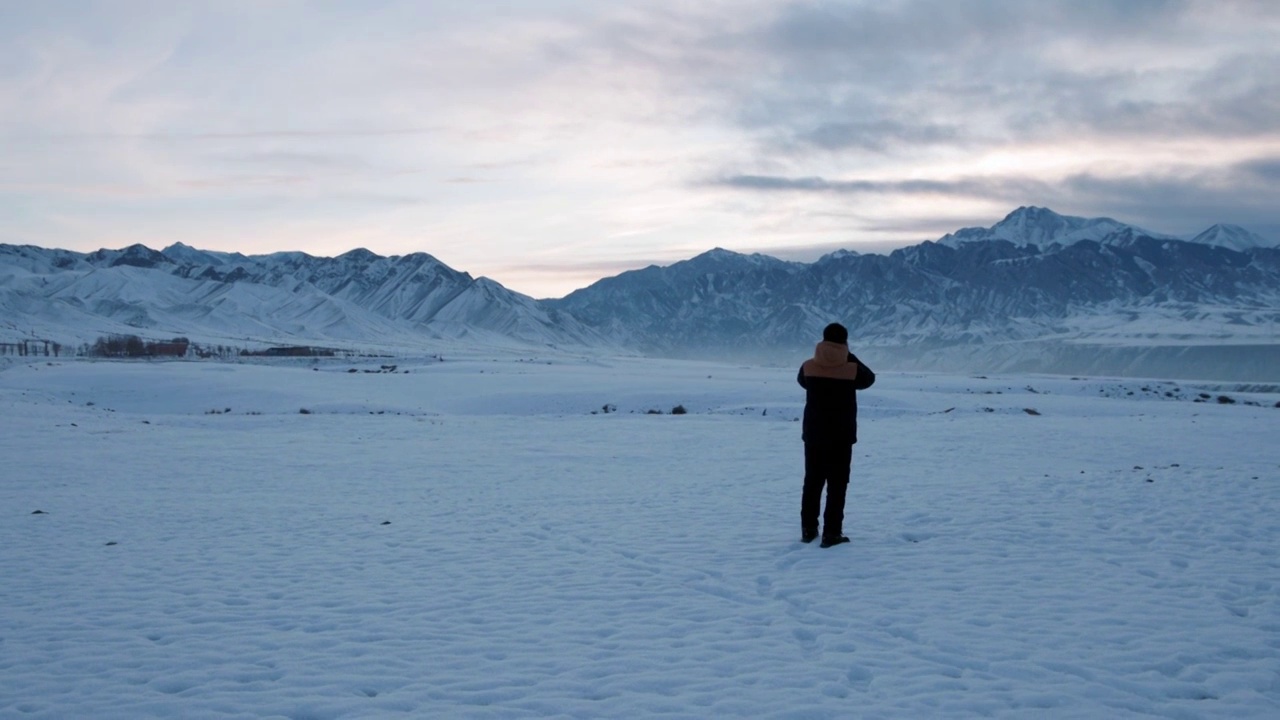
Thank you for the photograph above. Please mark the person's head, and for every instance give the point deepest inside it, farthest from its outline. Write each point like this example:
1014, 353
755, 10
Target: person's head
836, 333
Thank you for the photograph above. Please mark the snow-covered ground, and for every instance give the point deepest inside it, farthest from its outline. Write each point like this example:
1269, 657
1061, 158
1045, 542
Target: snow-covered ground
477, 538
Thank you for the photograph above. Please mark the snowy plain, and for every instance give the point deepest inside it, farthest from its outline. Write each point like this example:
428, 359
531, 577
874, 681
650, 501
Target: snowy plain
478, 538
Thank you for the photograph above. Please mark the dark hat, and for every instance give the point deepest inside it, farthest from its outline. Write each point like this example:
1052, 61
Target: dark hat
835, 332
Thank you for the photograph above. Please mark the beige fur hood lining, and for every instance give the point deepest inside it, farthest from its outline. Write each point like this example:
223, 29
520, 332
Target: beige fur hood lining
831, 360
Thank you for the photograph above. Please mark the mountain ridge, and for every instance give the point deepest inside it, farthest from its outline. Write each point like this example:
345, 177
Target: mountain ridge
411, 299
1035, 290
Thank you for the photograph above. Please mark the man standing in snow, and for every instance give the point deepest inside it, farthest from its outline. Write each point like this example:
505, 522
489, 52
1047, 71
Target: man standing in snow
831, 379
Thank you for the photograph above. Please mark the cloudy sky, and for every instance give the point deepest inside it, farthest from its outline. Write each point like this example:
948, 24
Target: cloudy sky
547, 143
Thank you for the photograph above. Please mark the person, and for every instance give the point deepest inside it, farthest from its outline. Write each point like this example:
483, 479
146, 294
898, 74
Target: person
831, 380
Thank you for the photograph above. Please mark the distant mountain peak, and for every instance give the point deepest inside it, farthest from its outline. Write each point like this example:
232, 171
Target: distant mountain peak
1233, 237
1033, 213
721, 257
718, 253
136, 255
840, 254
359, 255
1030, 219
1042, 228
716, 258
184, 254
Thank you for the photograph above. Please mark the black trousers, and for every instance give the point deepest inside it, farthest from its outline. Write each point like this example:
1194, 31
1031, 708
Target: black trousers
826, 464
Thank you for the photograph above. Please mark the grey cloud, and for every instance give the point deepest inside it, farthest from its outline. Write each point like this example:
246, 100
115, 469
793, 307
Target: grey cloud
1178, 203
877, 135
1237, 97
840, 30
1173, 201
1003, 187
808, 184
1264, 169
933, 226
880, 76
832, 76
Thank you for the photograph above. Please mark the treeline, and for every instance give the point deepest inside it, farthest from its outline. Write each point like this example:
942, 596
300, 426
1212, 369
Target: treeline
132, 346
28, 348
290, 351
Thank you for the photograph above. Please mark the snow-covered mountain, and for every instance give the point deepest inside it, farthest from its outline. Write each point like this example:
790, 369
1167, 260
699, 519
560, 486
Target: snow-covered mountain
358, 299
1043, 228
1036, 292
1232, 236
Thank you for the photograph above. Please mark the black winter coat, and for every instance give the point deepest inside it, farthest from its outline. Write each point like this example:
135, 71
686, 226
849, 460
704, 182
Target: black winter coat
832, 379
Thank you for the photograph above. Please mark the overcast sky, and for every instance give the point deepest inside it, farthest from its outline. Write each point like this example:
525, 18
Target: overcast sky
548, 143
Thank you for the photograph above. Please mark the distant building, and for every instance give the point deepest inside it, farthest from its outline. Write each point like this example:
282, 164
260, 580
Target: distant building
291, 351
174, 348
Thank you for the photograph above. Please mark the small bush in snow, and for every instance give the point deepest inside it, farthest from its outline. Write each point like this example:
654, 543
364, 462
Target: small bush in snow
304, 411
678, 410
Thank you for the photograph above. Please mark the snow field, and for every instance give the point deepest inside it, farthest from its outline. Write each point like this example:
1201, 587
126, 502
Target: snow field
1113, 556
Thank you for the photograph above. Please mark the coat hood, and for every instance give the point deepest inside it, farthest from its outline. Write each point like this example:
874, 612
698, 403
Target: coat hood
831, 354
830, 360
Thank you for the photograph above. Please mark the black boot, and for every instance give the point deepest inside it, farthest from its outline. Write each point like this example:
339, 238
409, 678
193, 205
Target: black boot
808, 535
833, 541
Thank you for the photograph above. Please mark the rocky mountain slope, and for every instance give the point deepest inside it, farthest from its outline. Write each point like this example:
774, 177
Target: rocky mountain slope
1037, 291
